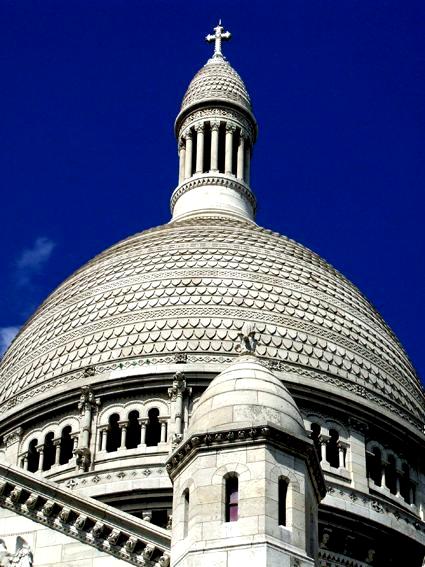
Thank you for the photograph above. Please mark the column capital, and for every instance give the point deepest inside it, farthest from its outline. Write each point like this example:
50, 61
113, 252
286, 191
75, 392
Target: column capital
215, 125
324, 439
200, 127
182, 144
187, 134
230, 128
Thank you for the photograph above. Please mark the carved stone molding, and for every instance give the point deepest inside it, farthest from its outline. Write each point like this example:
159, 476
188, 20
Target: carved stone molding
245, 436
13, 437
222, 181
84, 519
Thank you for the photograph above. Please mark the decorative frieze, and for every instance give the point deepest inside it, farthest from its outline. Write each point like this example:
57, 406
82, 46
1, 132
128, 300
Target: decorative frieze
83, 519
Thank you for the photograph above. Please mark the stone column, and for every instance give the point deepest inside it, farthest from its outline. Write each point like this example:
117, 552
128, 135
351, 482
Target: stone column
383, 479
199, 148
324, 439
230, 129
143, 424
215, 126
87, 405
182, 157
57, 444
123, 427
397, 483
40, 450
176, 393
103, 438
342, 448
241, 157
188, 158
247, 164
163, 431
356, 455
411, 495
25, 462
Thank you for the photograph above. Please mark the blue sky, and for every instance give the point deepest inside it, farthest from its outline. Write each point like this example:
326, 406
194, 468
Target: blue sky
90, 90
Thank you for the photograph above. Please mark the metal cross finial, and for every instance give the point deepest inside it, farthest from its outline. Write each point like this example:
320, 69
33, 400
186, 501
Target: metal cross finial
218, 37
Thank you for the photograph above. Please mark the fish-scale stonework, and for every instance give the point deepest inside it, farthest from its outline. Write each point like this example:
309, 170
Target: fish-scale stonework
187, 287
216, 80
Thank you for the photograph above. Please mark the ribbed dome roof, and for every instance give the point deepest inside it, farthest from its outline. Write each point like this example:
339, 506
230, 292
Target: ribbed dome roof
189, 286
217, 80
246, 394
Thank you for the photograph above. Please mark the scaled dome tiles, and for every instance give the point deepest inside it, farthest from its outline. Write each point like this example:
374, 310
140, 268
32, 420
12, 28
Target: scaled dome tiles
217, 80
188, 287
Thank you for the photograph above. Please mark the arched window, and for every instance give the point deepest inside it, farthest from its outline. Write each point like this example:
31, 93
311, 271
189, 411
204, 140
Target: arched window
33, 456
405, 483
231, 498
49, 452
113, 439
185, 498
133, 430
282, 497
315, 436
153, 428
391, 475
332, 451
67, 446
374, 466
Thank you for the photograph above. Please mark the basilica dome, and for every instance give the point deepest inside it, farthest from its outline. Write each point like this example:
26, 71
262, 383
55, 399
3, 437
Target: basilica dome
187, 287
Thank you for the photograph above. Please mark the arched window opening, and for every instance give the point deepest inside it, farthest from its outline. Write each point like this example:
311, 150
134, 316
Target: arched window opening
113, 439
153, 428
231, 498
185, 512
67, 446
391, 475
405, 483
315, 436
49, 452
332, 451
133, 430
33, 456
207, 148
374, 466
221, 147
282, 497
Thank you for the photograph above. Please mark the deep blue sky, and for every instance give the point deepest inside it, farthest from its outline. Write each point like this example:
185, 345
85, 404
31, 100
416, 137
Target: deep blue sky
89, 92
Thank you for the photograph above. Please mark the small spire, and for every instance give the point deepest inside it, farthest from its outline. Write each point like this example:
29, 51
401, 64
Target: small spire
218, 36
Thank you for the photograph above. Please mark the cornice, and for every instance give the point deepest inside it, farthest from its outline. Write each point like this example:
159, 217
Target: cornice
219, 180
267, 433
84, 519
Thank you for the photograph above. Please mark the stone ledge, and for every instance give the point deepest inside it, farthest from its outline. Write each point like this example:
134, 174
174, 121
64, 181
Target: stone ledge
103, 527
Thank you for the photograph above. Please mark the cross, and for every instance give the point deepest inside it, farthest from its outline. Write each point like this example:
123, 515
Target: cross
217, 37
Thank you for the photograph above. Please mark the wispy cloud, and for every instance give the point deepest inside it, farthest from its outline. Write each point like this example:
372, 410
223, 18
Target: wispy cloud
32, 259
7, 334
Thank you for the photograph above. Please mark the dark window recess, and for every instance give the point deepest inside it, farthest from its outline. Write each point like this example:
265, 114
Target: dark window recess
391, 475
207, 148
283, 491
221, 147
49, 452
133, 430
33, 456
236, 137
153, 428
113, 439
315, 436
67, 446
232, 499
374, 466
332, 451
